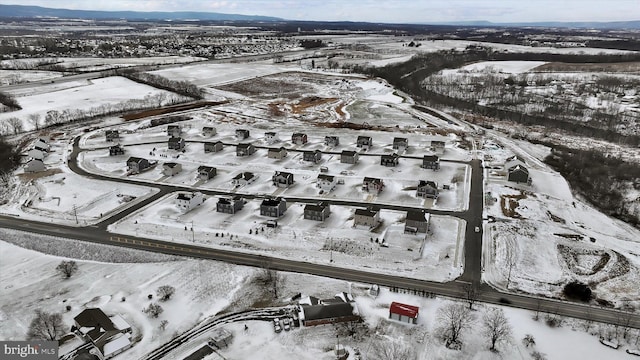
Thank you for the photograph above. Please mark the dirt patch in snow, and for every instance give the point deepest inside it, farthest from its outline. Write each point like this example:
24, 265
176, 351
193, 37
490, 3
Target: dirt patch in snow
509, 204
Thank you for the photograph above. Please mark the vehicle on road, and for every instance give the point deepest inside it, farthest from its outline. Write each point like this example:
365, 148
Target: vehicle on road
276, 325
477, 229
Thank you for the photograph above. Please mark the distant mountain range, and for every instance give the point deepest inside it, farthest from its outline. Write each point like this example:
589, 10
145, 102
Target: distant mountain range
43, 12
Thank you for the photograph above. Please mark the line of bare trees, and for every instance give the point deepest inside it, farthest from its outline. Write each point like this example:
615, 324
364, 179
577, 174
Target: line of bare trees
184, 88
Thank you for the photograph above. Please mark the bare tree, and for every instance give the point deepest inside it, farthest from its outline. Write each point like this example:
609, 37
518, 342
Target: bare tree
45, 326
391, 350
471, 293
153, 310
35, 119
528, 340
496, 327
165, 292
163, 324
453, 320
16, 124
67, 268
536, 315
271, 279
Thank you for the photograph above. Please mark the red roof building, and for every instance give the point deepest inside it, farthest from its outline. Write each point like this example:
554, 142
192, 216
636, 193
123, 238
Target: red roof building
403, 312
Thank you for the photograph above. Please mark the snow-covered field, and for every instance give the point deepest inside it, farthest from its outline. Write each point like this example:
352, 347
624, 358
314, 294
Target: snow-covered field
205, 288
207, 75
10, 77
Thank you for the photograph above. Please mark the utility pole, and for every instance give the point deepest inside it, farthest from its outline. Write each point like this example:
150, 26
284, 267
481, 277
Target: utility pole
75, 213
193, 234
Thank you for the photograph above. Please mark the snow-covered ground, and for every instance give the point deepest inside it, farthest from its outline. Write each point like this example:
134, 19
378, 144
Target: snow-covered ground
205, 288
206, 75
510, 67
97, 64
10, 77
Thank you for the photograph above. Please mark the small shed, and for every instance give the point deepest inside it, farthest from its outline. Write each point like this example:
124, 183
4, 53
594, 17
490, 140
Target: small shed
403, 312
220, 338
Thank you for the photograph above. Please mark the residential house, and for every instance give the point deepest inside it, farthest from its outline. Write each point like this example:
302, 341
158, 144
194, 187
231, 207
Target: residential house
209, 131
299, 138
317, 212
513, 161
174, 130
176, 143
427, 189
349, 157
116, 150
331, 313
417, 222
326, 182
42, 144
403, 312
243, 179
389, 160
364, 142
282, 179
401, 144
437, 146
37, 154
137, 165
271, 137
206, 172
188, 201
171, 168
34, 165
111, 135
431, 162
519, 174
273, 207
245, 149
312, 155
367, 217
331, 141
229, 205
242, 134
220, 338
213, 146
372, 185
109, 335
277, 153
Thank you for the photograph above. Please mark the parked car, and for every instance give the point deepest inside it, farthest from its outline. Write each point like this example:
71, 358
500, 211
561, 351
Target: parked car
286, 324
276, 325
477, 229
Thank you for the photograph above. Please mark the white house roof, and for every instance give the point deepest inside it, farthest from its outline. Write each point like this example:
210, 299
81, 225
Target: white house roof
116, 343
119, 322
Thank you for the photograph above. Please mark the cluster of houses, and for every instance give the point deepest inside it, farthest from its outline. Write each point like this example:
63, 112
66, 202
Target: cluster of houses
108, 335
37, 154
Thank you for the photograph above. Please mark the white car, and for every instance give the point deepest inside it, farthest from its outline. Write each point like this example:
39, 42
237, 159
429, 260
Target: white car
477, 229
276, 325
286, 324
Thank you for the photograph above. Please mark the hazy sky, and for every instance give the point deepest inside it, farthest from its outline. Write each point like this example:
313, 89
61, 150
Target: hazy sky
392, 11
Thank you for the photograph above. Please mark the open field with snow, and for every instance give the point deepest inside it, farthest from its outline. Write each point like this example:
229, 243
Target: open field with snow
10, 77
206, 288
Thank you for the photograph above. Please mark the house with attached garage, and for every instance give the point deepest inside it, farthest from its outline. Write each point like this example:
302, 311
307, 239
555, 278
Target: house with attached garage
109, 335
213, 146
271, 137
364, 142
331, 141
431, 162
229, 205
206, 172
37, 154
389, 160
34, 165
188, 201
417, 222
372, 185
116, 150
519, 174
273, 207
349, 157
317, 212
176, 143
427, 189
209, 131
243, 179
137, 165
367, 217
111, 135
312, 155
401, 144
245, 149
174, 130
277, 153
299, 138
326, 182
171, 168
282, 179
404, 313
341, 308
242, 134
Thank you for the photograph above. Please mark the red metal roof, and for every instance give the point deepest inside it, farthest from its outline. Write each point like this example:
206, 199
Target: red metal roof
404, 309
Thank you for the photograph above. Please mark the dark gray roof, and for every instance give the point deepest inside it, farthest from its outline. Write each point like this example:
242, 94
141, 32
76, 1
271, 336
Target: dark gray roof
417, 215
348, 153
244, 175
337, 310
271, 202
366, 212
205, 168
170, 164
430, 158
316, 207
428, 183
326, 177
